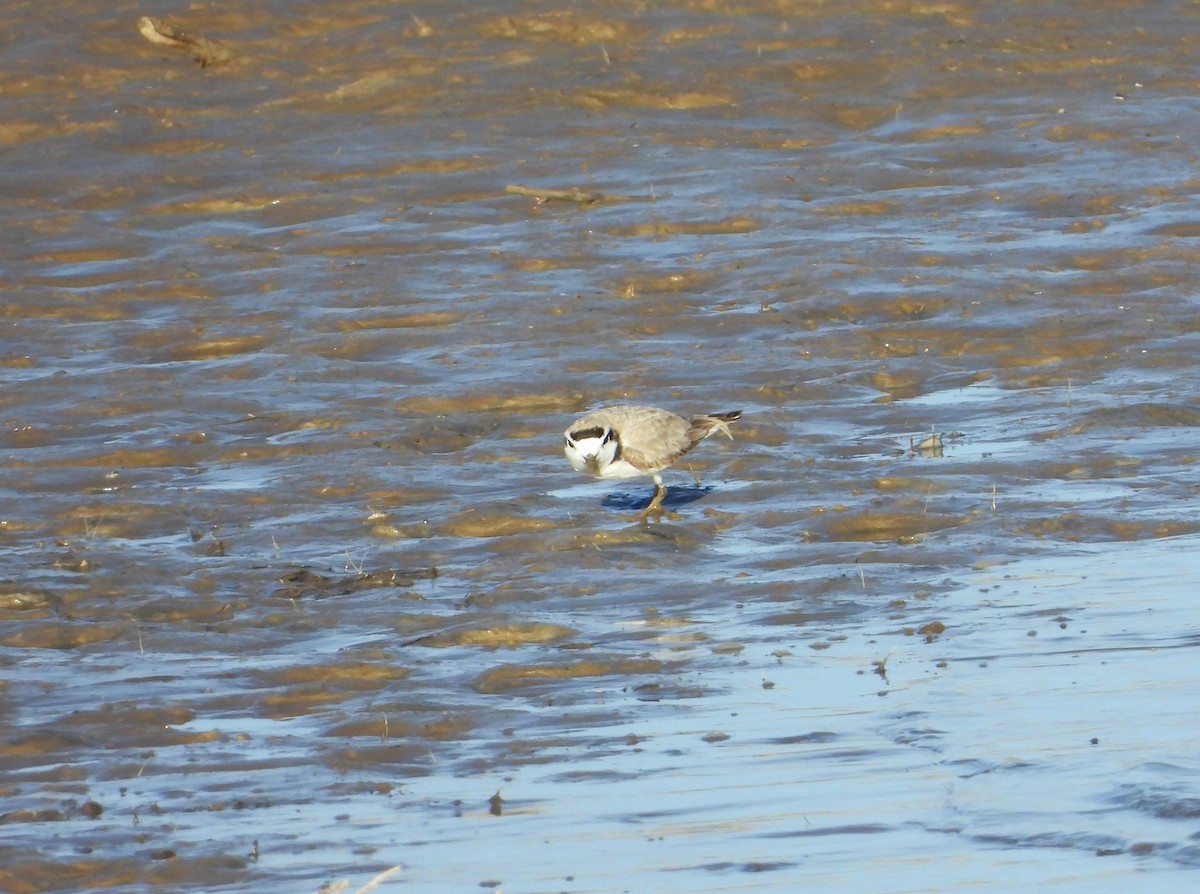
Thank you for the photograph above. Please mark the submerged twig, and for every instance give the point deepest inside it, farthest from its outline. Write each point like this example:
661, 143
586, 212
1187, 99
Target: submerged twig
208, 52
304, 582
880, 667
578, 196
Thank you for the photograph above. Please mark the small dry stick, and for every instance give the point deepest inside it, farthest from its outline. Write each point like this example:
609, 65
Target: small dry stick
379, 879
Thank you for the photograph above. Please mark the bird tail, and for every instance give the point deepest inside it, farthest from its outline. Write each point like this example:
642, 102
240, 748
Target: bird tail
703, 426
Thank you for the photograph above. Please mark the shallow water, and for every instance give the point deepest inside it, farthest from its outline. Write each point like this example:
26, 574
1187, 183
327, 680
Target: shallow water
296, 577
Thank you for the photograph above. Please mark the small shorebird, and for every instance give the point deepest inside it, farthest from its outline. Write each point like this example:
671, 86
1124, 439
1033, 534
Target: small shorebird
628, 441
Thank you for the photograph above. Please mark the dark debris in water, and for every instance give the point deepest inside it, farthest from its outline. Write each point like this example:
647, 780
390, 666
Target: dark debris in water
440, 437
932, 631
304, 583
756, 866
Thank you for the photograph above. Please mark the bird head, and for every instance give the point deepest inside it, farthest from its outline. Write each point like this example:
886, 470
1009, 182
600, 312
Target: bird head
592, 450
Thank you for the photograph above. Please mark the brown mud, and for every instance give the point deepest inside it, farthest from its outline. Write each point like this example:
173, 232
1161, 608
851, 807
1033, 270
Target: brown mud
297, 586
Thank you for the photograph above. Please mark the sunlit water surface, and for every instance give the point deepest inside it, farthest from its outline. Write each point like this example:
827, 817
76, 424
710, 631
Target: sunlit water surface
296, 585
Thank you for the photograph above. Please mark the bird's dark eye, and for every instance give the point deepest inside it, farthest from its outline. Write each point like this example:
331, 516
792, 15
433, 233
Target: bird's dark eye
609, 436
567, 441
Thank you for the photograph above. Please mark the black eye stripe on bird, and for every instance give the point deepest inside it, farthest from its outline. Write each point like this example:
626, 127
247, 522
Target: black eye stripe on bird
651, 440
581, 434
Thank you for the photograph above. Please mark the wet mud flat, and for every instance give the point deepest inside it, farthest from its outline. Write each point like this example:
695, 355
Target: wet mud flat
296, 585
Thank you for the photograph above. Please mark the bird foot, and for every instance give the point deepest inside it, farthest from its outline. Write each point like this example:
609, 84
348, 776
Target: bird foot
655, 513
655, 510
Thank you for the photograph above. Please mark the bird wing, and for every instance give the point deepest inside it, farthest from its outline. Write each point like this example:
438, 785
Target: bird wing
651, 438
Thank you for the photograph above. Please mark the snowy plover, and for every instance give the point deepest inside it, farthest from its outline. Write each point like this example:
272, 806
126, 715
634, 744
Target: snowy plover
627, 441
